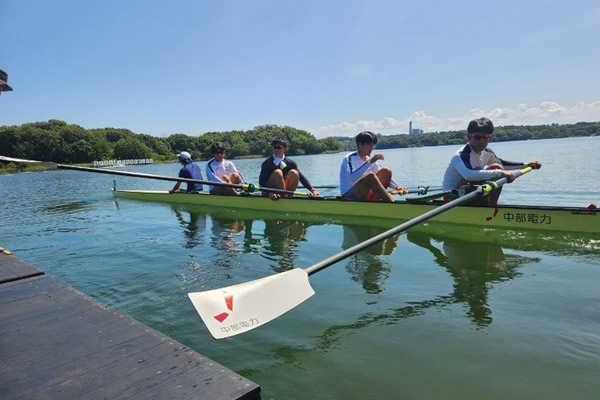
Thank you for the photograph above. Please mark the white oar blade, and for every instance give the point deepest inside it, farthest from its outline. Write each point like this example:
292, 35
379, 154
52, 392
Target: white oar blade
239, 308
18, 160
24, 161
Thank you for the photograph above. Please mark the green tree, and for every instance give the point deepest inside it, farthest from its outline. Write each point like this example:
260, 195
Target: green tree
131, 148
81, 152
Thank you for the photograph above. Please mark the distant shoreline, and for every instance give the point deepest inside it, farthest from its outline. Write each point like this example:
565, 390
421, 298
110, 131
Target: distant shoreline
12, 168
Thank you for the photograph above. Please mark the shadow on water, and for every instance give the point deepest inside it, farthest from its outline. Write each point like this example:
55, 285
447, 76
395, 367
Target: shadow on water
66, 208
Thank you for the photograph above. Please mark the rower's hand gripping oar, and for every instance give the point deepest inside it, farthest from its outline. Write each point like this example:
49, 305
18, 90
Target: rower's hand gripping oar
239, 308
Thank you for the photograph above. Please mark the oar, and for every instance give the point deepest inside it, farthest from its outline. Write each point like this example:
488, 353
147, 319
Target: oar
424, 199
247, 187
239, 308
24, 161
323, 187
421, 190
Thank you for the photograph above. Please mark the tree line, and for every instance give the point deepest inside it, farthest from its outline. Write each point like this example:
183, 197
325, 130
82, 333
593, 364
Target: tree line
60, 142
501, 134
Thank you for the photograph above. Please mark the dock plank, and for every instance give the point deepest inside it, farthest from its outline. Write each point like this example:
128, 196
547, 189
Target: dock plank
57, 343
12, 268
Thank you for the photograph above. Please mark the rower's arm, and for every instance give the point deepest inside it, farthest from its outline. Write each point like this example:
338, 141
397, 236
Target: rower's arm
470, 174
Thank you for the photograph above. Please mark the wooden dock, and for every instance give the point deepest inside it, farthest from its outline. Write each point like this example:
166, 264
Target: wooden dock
57, 343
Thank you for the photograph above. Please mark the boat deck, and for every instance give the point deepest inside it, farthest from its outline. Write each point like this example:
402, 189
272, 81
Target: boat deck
57, 343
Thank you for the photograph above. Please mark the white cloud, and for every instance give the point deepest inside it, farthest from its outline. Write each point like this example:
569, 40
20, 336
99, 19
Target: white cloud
547, 112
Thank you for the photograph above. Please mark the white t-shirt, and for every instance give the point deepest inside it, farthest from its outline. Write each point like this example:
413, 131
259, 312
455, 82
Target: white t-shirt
216, 170
470, 166
354, 168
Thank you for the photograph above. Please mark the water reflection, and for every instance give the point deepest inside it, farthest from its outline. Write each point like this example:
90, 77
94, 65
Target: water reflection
281, 239
240, 233
367, 267
225, 234
192, 224
474, 267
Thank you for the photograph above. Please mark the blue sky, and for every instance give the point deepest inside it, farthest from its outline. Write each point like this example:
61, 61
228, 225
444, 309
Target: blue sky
329, 67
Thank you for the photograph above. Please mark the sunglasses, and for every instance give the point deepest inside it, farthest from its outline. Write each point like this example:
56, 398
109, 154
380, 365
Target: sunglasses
277, 146
482, 137
219, 152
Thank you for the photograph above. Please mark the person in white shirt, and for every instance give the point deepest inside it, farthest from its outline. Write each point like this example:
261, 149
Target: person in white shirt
218, 169
361, 176
476, 163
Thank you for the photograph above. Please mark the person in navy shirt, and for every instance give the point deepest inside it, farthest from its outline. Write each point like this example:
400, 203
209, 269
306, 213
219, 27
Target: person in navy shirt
190, 171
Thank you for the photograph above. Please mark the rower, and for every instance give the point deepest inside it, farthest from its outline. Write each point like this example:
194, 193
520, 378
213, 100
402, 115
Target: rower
361, 176
475, 163
281, 172
190, 171
218, 169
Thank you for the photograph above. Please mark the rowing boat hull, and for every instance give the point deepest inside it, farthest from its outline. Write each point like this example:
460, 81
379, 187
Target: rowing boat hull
565, 219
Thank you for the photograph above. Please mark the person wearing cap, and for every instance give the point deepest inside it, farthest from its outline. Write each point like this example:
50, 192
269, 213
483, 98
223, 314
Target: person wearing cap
361, 176
281, 172
4, 82
218, 169
189, 171
476, 163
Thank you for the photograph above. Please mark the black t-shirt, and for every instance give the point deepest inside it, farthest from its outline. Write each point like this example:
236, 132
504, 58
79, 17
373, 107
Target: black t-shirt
268, 167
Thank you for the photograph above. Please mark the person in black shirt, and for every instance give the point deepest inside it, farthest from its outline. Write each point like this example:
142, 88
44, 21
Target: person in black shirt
280, 172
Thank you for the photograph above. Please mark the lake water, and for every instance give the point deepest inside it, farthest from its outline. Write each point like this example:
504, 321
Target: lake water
441, 312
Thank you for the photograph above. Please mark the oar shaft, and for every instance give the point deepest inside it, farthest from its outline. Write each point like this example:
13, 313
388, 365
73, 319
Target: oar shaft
246, 187
323, 187
482, 190
420, 189
425, 198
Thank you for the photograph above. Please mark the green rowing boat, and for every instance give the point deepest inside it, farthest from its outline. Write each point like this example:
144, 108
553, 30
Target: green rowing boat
562, 219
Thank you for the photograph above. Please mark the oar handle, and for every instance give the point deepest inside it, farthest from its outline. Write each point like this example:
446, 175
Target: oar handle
490, 186
482, 190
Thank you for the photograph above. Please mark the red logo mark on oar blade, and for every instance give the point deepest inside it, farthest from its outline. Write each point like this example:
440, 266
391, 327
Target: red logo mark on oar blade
221, 317
229, 303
